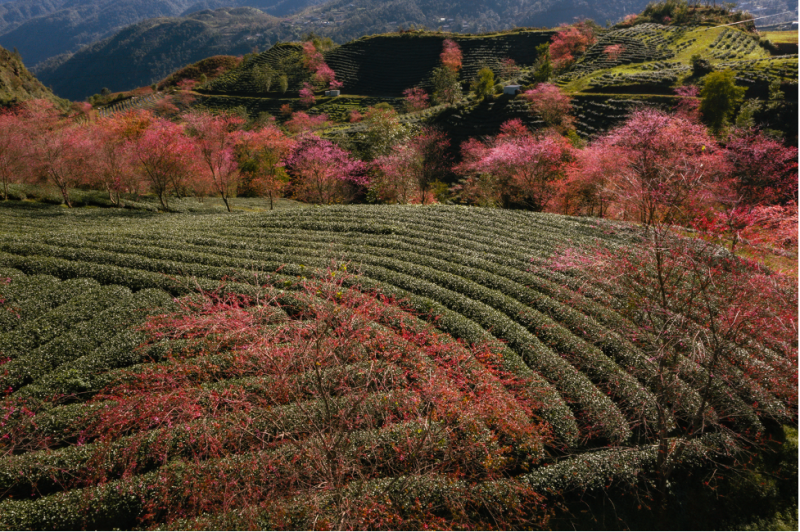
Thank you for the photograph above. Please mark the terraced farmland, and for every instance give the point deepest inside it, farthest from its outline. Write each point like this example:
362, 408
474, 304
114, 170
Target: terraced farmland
97, 428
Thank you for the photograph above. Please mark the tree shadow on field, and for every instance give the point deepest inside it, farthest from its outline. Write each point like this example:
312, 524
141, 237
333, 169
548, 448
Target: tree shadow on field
48, 211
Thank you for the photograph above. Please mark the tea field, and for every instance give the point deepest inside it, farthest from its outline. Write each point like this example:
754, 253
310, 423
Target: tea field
115, 418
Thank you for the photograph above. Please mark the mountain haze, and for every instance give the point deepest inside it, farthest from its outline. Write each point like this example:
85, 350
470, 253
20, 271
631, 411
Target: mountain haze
150, 50
41, 29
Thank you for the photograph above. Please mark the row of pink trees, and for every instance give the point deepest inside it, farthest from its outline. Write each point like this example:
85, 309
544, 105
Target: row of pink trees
128, 153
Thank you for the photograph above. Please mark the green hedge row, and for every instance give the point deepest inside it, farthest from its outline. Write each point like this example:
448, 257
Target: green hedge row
128, 310
58, 321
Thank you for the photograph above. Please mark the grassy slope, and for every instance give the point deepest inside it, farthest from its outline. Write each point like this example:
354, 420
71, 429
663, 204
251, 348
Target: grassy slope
17, 84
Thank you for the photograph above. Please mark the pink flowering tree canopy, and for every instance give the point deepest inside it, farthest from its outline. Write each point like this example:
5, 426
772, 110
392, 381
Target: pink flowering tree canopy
215, 138
570, 42
525, 167
451, 55
324, 173
552, 105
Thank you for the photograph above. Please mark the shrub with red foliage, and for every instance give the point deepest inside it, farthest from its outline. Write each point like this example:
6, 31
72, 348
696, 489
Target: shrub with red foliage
451, 55
570, 42
725, 325
316, 405
552, 105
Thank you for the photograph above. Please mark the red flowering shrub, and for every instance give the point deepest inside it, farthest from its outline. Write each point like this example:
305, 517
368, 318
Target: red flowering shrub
317, 406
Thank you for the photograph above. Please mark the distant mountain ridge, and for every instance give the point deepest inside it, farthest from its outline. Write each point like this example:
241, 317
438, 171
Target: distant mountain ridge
41, 29
146, 52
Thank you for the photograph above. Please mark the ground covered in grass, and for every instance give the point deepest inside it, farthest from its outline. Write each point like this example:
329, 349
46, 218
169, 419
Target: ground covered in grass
356, 367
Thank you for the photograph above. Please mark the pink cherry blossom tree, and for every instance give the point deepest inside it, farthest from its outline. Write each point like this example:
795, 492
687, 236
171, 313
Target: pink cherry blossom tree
58, 148
525, 167
451, 56
215, 138
613, 51
321, 73
671, 166
569, 42
166, 158
12, 149
323, 172
307, 98
301, 122
112, 155
416, 99
261, 156
408, 172
688, 103
552, 105
764, 169
585, 190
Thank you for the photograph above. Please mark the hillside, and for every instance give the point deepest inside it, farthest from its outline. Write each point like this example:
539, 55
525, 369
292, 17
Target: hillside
341, 20
354, 18
42, 29
655, 59
363, 67
149, 51
17, 84
194, 422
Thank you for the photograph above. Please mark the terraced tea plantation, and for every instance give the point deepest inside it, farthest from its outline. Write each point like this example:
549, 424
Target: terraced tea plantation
130, 400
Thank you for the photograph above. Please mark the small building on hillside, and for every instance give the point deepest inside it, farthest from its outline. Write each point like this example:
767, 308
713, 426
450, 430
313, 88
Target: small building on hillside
333, 93
513, 90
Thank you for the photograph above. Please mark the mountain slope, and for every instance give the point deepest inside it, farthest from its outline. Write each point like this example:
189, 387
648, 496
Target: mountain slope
17, 84
342, 20
41, 29
359, 17
149, 51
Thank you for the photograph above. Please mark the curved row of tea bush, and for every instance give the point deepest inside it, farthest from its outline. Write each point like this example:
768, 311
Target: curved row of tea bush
78, 283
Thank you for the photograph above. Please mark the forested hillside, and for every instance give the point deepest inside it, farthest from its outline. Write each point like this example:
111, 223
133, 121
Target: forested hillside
340, 20
42, 29
148, 51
